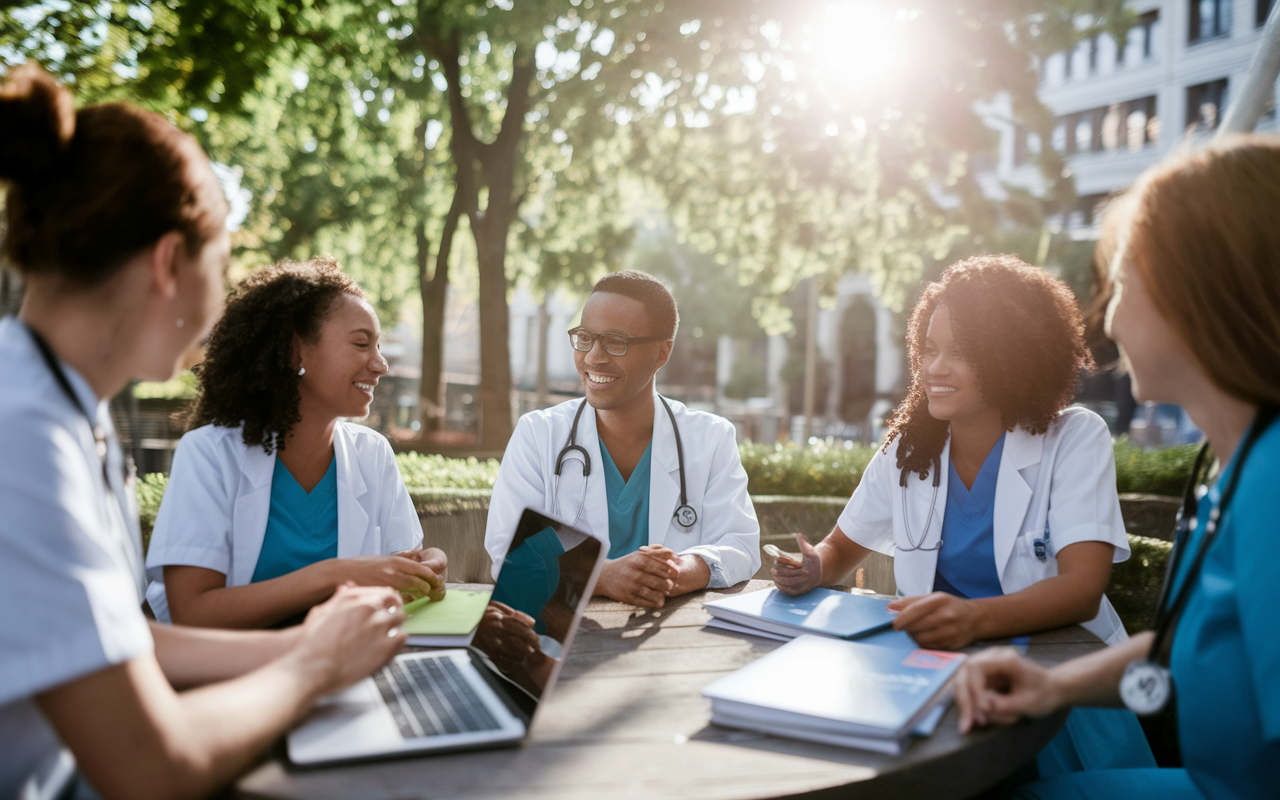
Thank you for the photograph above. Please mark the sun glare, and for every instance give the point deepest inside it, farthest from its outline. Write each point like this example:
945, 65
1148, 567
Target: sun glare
860, 42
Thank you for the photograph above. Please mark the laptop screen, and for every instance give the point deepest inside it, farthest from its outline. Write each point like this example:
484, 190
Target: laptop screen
543, 587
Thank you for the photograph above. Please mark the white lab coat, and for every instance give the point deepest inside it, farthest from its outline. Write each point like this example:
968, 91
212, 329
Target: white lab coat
214, 512
1059, 487
726, 535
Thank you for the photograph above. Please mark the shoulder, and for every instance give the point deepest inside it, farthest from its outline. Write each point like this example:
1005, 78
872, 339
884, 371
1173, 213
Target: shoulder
213, 442
543, 420
702, 421
1079, 421
1262, 471
363, 438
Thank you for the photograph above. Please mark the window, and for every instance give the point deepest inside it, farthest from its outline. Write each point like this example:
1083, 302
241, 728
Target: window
1069, 57
1132, 126
1091, 46
1205, 104
1263, 9
1209, 19
1147, 26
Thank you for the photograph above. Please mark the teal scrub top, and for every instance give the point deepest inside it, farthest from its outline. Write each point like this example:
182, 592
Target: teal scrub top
530, 574
967, 560
302, 527
628, 504
1226, 649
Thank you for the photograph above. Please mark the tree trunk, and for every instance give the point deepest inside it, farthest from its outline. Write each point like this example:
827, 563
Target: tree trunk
433, 290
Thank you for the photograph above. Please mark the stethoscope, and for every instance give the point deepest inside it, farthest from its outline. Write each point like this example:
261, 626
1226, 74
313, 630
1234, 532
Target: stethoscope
684, 513
1146, 686
913, 545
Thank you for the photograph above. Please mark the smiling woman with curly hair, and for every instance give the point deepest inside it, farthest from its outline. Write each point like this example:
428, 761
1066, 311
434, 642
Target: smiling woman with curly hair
274, 500
995, 497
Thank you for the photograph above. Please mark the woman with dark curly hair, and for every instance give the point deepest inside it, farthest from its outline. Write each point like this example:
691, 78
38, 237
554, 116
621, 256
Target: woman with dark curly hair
996, 499
275, 501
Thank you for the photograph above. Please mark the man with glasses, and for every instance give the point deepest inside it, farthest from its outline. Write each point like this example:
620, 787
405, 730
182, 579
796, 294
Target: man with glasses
660, 483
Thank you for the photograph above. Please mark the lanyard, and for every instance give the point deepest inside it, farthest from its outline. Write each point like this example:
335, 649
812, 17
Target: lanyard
1168, 614
99, 435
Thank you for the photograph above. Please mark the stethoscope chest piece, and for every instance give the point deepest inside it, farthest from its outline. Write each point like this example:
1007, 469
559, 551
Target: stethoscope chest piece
686, 516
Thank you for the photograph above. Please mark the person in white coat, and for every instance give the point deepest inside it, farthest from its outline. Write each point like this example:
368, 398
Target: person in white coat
996, 499
662, 484
274, 500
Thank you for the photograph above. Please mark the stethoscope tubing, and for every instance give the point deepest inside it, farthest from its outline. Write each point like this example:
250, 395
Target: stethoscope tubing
684, 514
913, 545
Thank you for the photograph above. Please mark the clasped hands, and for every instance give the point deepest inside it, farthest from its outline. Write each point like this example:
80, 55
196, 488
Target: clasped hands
413, 573
650, 575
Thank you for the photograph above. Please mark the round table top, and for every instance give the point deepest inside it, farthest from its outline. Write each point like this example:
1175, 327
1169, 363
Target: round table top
627, 719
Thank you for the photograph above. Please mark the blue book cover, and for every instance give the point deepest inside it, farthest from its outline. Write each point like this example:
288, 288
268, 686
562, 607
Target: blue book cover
837, 687
822, 611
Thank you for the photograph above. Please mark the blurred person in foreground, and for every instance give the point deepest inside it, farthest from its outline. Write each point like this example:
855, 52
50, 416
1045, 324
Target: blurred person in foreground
1192, 257
275, 499
118, 226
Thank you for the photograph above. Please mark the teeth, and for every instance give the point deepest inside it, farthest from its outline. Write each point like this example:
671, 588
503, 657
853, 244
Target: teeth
368, 387
601, 378
941, 389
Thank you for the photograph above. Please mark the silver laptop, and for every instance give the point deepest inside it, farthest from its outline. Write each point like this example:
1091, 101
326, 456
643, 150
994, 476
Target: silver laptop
485, 695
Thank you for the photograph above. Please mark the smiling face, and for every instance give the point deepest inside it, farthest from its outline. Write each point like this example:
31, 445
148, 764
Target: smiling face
343, 364
950, 381
614, 381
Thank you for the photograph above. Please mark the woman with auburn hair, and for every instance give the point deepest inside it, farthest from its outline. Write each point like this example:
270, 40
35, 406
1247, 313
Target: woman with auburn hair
275, 500
1192, 257
118, 226
995, 497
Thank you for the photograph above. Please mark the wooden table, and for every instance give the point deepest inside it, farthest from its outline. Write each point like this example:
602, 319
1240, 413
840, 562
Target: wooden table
628, 720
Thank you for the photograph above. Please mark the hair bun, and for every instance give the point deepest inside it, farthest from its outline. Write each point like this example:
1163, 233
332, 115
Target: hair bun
37, 120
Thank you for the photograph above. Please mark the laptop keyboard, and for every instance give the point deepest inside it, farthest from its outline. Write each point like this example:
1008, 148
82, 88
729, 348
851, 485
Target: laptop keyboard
430, 697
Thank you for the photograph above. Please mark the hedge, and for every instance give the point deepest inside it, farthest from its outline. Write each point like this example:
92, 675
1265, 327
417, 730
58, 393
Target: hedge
821, 470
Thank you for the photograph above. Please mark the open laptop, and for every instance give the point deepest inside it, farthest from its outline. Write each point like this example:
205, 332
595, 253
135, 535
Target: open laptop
485, 695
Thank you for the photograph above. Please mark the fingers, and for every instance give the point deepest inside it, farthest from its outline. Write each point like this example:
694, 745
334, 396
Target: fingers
914, 611
903, 602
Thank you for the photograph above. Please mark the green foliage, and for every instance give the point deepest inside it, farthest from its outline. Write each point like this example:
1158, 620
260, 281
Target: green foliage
1134, 588
150, 489
1163, 471
182, 386
818, 471
424, 473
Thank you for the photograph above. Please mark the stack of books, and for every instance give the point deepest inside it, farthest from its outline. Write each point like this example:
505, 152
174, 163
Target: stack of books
825, 612
822, 689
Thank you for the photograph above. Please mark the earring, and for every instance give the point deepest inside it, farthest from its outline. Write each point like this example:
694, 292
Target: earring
302, 371
181, 322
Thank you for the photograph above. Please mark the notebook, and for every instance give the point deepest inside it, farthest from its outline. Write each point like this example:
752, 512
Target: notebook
839, 692
449, 622
484, 695
824, 612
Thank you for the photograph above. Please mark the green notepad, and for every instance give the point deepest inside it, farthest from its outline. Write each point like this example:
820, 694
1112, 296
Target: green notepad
456, 615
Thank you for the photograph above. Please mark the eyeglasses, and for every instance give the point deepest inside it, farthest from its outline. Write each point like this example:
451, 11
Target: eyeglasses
615, 344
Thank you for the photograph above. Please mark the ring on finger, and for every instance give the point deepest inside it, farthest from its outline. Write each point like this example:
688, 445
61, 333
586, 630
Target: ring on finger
393, 633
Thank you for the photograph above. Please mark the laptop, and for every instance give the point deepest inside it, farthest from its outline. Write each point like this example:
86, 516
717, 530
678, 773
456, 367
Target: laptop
484, 695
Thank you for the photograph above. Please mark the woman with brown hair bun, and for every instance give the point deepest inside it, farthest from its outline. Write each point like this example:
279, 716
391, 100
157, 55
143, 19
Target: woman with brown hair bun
118, 226
1192, 253
275, 500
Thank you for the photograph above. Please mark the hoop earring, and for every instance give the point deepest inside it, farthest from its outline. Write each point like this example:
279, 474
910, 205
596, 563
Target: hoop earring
302, 371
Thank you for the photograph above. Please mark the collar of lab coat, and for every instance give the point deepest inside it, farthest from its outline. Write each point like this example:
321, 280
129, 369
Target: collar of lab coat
664, 474
255, 502
1022, 450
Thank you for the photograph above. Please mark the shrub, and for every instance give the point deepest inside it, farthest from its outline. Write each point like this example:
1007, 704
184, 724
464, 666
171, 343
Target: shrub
427, 472
817, 471
1162, 471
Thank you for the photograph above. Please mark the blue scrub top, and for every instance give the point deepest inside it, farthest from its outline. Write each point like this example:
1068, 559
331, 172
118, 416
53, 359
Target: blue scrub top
967, 560
628, 504
302, 527
1226, 650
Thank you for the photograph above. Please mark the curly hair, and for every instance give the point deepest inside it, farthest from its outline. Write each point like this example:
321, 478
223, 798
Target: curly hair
248, 376
1023, 333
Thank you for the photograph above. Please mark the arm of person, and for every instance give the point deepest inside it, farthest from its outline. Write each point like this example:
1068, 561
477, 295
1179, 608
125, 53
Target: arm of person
191, 657
829, 561
946, 622
728, 548
519, 485
201, 597
999, 687
133, 736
